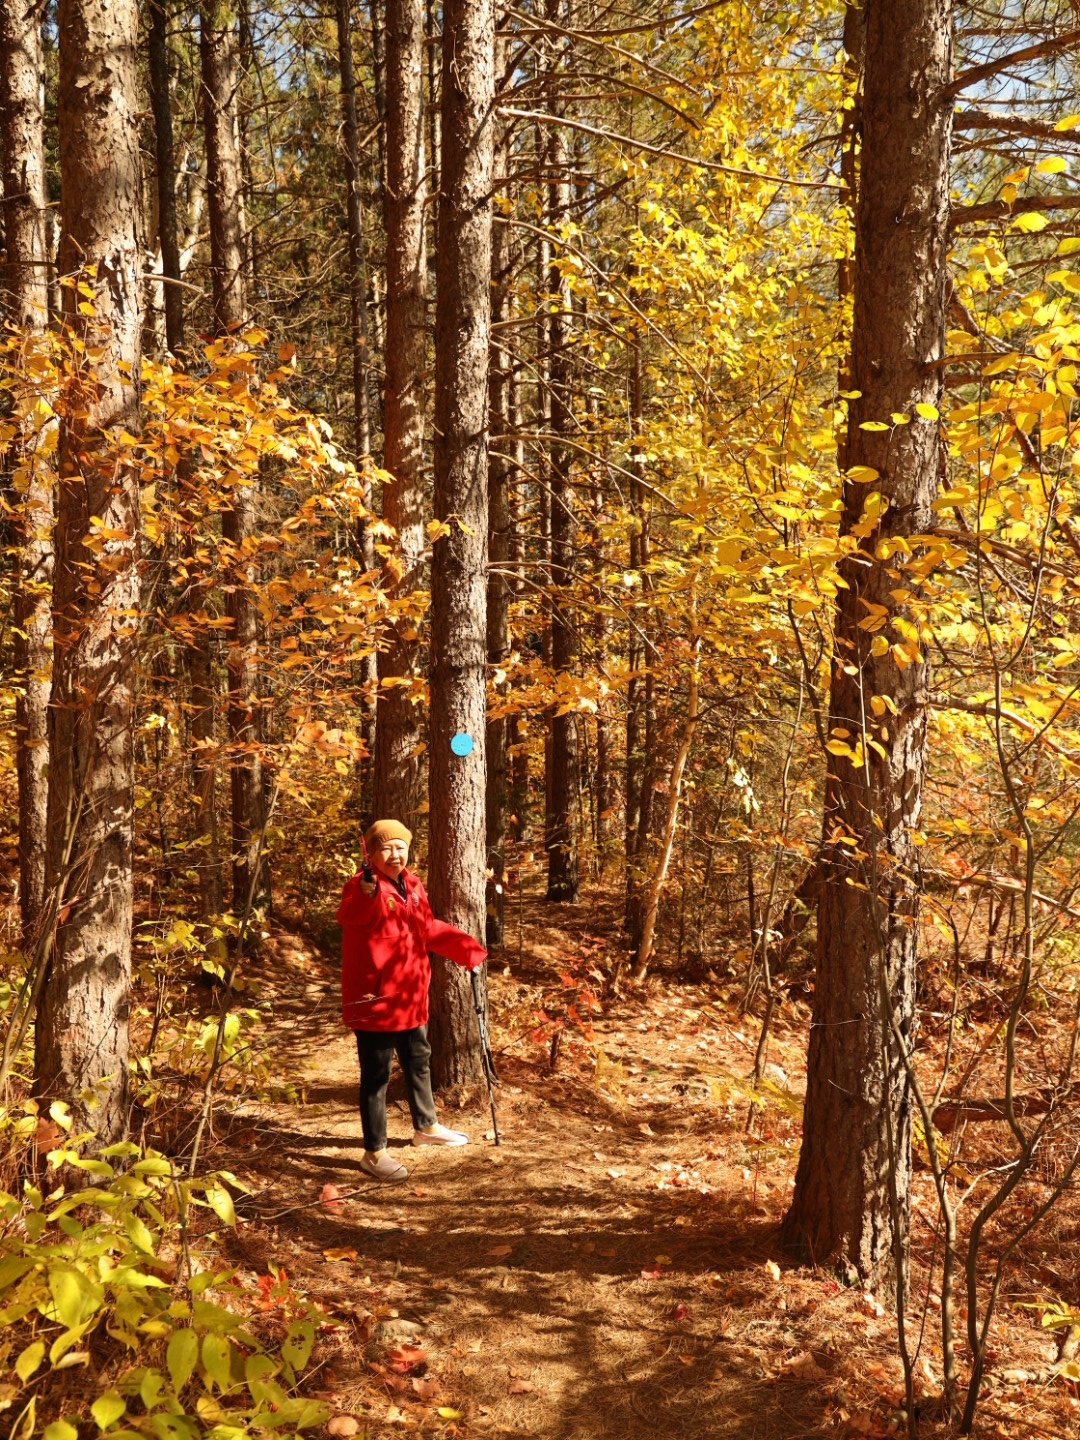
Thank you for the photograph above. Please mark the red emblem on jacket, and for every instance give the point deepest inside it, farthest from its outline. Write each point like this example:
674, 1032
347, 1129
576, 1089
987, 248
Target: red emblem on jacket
385, 971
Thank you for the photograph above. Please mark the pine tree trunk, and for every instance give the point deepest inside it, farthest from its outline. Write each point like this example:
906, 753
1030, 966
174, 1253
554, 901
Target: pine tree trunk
359, 334
225, 196
168, 236
857, 1128
458, 589
562, 836
26, 305
499, 526
357, 262
399, 729
641, 690
82, 1025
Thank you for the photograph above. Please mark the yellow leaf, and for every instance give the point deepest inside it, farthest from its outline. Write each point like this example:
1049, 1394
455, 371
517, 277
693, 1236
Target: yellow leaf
926, 411
863, 474
447, 1412
873, 425
1031, 222
1067, 122
1052, 165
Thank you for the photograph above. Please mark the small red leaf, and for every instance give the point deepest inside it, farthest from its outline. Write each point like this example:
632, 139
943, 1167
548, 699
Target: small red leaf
330, 1198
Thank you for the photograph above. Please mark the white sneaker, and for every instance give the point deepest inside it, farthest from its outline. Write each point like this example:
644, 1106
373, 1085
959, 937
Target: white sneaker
383, 1166
439, 1135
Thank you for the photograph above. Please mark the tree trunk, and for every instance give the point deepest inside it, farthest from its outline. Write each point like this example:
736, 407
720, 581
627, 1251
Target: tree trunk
499, 526
850, 124
198, 639
359, 336
357, 262
26, 303
562, 836
82, 1027
399, 729
656, 885
855, 1162
641, 691
458, 588
378, 77
224, 183
168, 236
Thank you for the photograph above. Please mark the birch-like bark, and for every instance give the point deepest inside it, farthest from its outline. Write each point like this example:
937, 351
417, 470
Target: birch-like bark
656, 885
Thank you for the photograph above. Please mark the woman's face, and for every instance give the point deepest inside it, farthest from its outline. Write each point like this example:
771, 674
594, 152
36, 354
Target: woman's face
390, 858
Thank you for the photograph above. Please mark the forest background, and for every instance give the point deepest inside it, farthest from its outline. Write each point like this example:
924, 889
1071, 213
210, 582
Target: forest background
676, 411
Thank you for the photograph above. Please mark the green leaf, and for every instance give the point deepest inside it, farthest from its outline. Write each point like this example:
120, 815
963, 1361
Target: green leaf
216, 1358
107, 1409
152, 1165
221, 1202
61, 1430
13, 1268
297, 1347
138, 1232
75, 1296
181, 1356
29, 1360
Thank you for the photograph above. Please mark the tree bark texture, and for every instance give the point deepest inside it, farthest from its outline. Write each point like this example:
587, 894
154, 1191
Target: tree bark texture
82, 1024
225, 196
641, 736
357, 262
499, 526
458, 590
857, 1126
358, 318
26, 303
562, 836
399, 728
168, 233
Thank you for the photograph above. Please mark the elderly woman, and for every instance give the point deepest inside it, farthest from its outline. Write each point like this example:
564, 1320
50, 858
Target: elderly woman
387, 929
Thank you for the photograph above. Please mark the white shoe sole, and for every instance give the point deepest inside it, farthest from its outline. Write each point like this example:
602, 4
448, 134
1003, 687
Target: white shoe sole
394, 1176
420, 1138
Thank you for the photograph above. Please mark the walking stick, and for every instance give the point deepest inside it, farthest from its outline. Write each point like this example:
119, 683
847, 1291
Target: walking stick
485, 1053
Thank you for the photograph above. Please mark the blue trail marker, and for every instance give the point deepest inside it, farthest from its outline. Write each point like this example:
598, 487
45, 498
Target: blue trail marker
461, 743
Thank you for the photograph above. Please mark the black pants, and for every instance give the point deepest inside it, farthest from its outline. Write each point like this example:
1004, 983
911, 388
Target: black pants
376, 1050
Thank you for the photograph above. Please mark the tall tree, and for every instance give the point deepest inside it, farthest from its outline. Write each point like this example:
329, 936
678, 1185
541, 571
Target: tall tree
358, 326
855, 1163
458, 582
168, 234
398, 734
499, 526
225, 205
82, 1027
561, 837
26, 303
198, 648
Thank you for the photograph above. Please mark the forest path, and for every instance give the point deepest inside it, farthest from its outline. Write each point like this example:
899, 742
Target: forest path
608, 1271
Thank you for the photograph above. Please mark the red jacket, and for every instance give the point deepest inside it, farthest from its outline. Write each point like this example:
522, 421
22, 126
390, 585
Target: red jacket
385, 971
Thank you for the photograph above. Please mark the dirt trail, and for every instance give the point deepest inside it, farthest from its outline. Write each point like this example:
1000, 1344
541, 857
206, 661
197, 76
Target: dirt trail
609, 1271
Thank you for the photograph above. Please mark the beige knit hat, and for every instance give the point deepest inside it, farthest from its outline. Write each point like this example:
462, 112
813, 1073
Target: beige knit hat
376, 836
